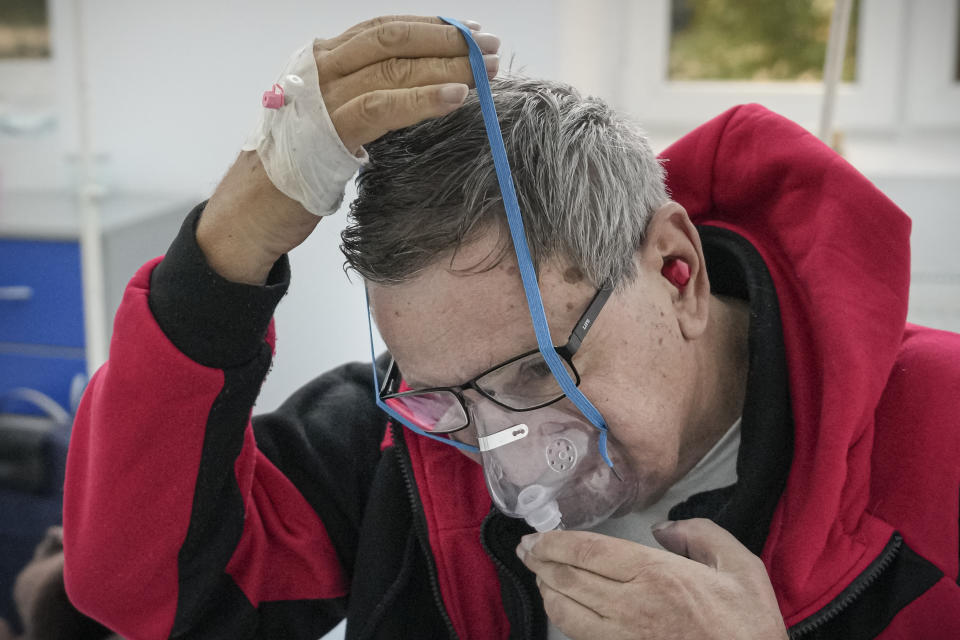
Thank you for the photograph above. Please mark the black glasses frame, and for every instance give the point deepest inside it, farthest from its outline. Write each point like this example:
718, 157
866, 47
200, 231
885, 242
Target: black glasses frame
391, 381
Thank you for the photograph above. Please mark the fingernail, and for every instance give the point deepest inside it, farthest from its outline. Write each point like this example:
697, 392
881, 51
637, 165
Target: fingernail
454, 93
492, 62
526, 543
529, 540
660, 526
471, 24
487, 42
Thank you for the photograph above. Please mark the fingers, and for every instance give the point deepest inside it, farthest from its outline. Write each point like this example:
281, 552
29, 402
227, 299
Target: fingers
571, 617
398, 40
376, 22
404, 73
371, 115
708, 543
395, 71
611, 558
588, 589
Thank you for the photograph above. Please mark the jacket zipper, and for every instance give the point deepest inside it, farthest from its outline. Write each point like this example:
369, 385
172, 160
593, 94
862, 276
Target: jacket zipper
525, 603
419, 520
854, 591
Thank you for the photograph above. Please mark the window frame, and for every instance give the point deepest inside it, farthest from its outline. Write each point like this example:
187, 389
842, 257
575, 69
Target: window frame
636, 40
932, 90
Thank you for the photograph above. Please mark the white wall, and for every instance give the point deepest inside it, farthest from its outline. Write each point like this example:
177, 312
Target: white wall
175, 88
179, 82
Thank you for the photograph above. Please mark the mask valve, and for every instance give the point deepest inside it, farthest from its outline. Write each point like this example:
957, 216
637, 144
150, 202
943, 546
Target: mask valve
537, 506
561, 455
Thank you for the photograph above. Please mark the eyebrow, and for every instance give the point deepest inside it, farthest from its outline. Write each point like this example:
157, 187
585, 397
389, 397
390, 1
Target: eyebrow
417, 384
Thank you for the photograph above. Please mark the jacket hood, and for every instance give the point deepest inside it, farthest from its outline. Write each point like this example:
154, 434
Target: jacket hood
837, 251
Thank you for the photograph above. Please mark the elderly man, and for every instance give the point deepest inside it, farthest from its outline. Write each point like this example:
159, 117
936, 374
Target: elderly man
785, 448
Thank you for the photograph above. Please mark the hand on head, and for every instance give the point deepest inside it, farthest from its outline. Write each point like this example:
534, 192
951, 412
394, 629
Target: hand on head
394, 71
380, 75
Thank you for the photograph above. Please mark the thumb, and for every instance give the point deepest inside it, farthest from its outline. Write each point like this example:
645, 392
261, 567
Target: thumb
705, 542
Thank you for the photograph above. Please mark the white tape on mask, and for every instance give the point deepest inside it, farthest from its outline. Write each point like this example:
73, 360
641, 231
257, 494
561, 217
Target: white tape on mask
297, 142
502, 437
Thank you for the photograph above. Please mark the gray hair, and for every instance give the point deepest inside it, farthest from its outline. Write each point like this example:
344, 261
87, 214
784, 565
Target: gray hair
586, 179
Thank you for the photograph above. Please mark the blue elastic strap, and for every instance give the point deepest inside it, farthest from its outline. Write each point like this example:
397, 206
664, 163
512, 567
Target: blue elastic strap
527, 272
393, 414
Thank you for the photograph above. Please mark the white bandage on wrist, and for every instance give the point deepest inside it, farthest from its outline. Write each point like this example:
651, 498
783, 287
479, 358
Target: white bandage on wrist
298, 144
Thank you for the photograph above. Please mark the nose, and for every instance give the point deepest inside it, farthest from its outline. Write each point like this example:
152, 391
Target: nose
467, 435
487, 417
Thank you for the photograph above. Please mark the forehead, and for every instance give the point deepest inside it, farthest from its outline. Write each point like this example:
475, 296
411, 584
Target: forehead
454, 321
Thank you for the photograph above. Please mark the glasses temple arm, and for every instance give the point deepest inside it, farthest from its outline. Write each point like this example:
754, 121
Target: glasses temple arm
579, 333
384, 386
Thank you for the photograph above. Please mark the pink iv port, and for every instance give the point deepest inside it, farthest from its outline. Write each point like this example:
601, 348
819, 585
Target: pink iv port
273, 98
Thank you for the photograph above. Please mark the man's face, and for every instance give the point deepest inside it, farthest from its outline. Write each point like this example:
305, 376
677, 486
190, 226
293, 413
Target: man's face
445, 327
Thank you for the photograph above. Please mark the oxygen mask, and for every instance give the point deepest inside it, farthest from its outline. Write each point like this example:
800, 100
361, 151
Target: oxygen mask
544, 466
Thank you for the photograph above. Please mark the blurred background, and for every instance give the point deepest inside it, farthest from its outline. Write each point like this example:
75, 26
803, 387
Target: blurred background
116, 116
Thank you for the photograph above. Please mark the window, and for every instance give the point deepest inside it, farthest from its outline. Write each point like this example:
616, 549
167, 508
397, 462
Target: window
32, 86
754, 40
27, 86
23, 29
901, 65
869, 102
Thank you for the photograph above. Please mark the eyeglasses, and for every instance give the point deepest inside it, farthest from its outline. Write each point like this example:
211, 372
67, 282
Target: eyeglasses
522, 383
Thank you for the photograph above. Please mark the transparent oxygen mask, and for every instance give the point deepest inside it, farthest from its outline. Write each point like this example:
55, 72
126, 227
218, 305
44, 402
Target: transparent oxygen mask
544, 466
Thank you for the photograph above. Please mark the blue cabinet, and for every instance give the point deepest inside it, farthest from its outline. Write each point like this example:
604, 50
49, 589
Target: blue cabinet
42, 320
45, 301
49, 371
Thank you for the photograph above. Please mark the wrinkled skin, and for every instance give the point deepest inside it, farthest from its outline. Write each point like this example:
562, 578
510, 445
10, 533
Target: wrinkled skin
706, 585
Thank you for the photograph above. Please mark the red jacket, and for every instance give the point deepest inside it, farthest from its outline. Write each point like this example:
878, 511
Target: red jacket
876, 404
182, 518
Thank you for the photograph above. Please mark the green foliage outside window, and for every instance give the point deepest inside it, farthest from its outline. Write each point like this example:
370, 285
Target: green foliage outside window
24, 32
754, 40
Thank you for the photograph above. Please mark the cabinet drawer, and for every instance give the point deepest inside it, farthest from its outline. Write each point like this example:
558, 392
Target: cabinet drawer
41, 299
50, 375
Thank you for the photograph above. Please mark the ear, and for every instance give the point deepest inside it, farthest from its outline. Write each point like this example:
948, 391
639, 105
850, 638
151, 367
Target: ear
672, 257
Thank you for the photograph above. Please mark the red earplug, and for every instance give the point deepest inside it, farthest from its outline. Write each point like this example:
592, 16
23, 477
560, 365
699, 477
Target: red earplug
677, 272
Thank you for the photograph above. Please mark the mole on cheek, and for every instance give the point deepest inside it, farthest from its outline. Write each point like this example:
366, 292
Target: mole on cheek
572, 275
